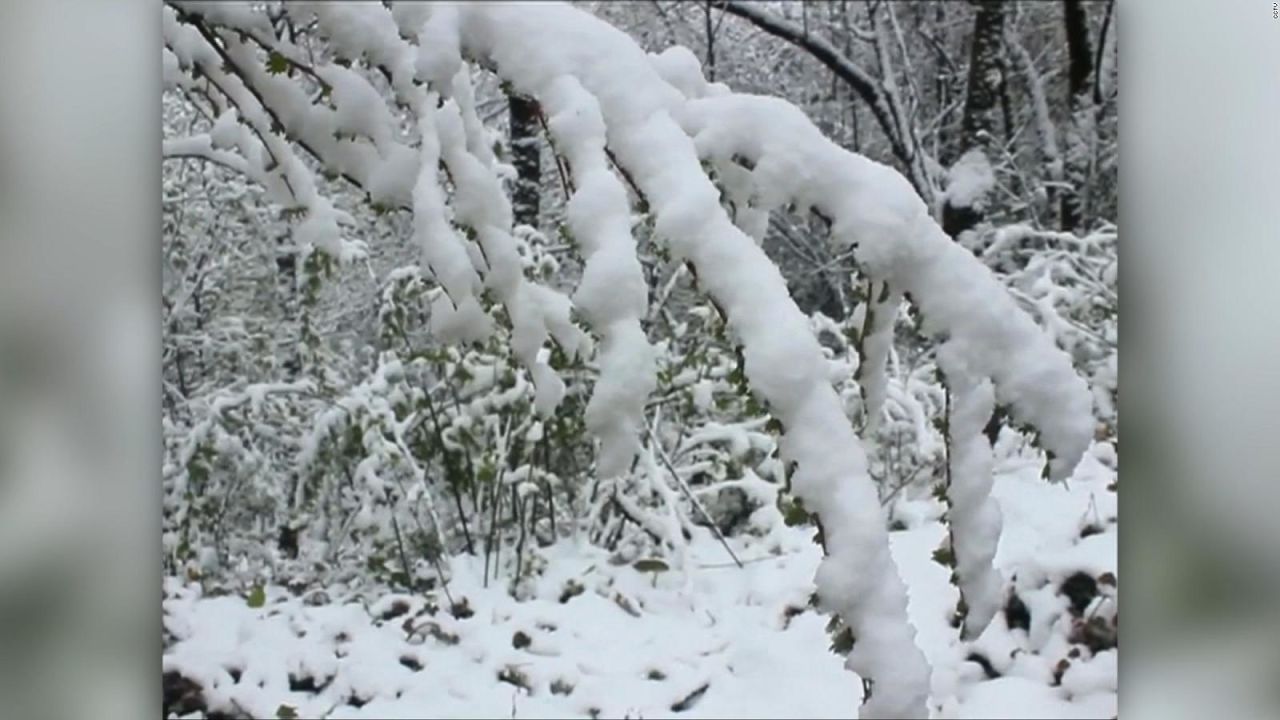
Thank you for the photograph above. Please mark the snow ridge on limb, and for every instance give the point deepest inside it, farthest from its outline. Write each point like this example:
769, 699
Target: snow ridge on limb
537, 312
612, 294
444, 251
875, 211
874, 345
532, 45
752, 205
975, 515
901, 249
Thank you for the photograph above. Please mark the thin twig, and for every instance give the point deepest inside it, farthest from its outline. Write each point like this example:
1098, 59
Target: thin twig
662, 455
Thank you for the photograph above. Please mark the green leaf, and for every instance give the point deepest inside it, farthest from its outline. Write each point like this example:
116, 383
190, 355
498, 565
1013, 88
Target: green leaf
944, 556
277, 64
286, 712
651, 565
257, 597
843, 642
462, 374
794, 513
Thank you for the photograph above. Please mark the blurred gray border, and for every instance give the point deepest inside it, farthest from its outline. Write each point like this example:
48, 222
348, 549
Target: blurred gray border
1200, 331
79, 358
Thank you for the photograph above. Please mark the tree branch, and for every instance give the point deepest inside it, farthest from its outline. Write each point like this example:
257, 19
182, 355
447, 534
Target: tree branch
824, 52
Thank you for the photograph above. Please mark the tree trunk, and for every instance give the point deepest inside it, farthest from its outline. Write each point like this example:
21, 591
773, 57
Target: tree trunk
527, 158
1079, 68
1079, 55
986, 75
711, 42
963, 207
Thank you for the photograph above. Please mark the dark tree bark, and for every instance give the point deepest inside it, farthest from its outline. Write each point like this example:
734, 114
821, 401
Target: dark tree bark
1079, 55
981, 109
986, 75
526, 155
1097, 60
1079, 69
711, 42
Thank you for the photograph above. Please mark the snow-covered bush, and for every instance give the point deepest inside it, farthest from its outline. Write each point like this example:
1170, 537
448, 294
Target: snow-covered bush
462, 423
1069, 283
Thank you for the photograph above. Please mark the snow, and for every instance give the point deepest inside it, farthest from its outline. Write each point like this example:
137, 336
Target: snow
359, 108
1016, 698
537, 312
975, 517
439, 57
876, 212
170, 72
612, 293
320, 230
443, 250
876, 345
237, 15
783, 361
226, 131
391, 181
969, 180
704, 622
202, 146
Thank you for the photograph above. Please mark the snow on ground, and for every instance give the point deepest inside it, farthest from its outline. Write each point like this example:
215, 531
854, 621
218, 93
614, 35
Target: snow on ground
605, 640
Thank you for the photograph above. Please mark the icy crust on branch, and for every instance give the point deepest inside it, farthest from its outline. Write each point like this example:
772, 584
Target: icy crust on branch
531, 46
875, 211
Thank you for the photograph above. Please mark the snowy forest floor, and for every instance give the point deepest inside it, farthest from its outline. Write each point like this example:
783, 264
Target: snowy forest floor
710, 641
